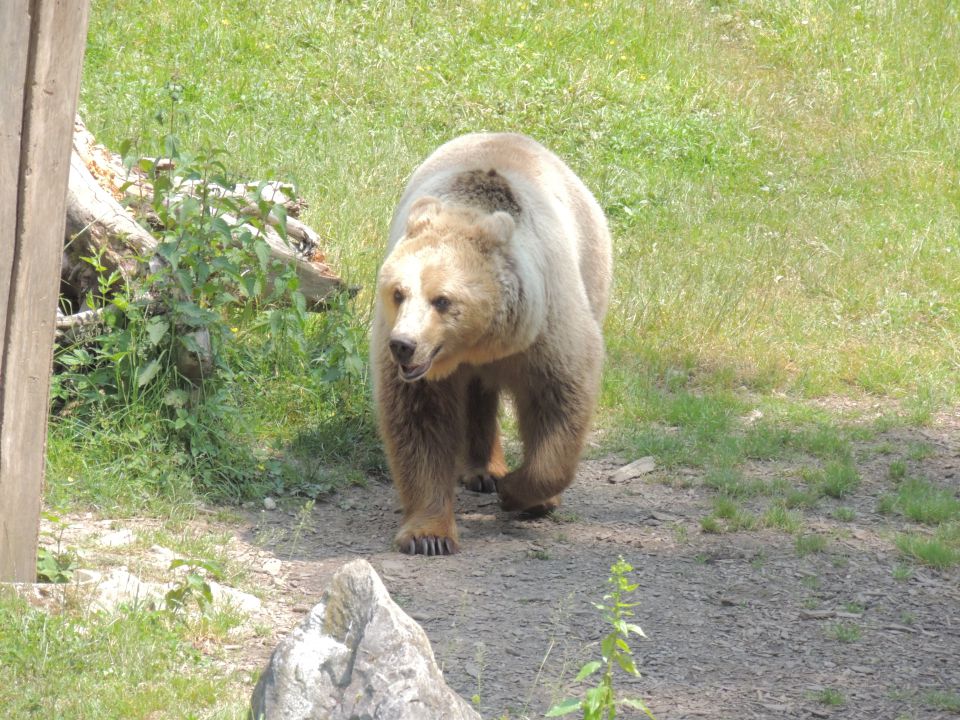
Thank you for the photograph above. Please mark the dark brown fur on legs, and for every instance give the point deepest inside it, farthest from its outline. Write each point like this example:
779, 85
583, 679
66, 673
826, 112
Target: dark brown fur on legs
553, 411
485, 461
422, 424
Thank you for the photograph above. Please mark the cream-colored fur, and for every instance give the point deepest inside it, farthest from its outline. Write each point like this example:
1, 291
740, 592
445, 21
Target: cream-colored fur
497, 277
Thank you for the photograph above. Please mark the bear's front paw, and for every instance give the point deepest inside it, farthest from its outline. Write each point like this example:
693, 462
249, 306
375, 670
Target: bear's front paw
529, 505
535, 512
410, 544
510, 500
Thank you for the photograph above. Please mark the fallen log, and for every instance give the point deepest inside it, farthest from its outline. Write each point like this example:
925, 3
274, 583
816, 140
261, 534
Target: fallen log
100, 226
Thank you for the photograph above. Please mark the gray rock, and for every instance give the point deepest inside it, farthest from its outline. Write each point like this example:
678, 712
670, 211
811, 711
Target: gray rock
118, 538
356, 656
635, 469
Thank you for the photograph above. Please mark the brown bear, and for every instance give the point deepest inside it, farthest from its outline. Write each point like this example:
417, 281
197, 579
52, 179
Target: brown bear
496, 278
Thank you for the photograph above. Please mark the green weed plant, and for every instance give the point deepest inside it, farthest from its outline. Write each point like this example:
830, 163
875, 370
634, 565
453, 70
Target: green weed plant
601, 702
194, 586
57, 564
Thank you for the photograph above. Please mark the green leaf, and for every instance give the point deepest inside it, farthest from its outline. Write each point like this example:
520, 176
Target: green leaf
280, 213
220, 226
589, 669
626, 662
594, 700
635, 629
636, 705
262, 250
176, 398
171, 146
565, 708
157, 328
607, 646
148, 372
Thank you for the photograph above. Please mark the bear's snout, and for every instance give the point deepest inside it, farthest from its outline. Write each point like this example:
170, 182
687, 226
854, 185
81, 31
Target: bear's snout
402, 349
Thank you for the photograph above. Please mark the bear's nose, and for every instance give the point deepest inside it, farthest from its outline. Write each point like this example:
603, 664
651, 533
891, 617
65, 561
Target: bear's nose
402, 350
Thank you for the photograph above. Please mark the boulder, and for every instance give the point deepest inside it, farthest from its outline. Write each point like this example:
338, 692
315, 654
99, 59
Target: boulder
356, 656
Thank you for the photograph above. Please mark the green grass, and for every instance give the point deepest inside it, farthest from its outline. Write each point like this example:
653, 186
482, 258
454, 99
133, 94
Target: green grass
809, 544
921, 501
943, 700
831, 697
135, 664
747, 257
844, 514
897, 470
779, 517
782, 185
902, 573
779, 221
940, 550
837, 479
845, 632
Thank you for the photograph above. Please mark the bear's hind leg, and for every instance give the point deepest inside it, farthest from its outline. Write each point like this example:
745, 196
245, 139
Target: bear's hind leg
485, 462
422, 427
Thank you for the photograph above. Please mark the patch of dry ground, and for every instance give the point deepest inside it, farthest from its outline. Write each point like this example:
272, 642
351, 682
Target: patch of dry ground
739, 625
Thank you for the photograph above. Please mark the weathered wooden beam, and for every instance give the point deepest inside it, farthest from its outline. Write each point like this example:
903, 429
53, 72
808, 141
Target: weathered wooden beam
46, 38
14, 27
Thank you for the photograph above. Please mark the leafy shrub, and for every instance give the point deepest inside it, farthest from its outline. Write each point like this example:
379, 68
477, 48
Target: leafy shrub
212, 281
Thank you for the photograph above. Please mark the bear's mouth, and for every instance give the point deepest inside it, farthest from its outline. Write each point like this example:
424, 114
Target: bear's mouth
412, 373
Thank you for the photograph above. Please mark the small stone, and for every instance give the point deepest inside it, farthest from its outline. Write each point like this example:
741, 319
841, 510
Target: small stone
635, 469
272, 566
120, 587
118, 538
224, 595
163, 556
269, 503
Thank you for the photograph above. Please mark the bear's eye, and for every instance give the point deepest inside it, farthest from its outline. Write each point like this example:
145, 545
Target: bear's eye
441, 303
398, 296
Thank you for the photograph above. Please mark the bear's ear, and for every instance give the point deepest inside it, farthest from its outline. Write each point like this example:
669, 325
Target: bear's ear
421, 213
499, 227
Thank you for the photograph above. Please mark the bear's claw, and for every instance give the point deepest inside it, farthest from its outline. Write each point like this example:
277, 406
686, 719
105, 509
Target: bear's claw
429, 545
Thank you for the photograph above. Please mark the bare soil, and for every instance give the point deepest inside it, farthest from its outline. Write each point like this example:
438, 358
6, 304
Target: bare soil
739, 625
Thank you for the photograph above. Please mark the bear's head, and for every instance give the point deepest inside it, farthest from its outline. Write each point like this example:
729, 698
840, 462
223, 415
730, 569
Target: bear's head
445, 288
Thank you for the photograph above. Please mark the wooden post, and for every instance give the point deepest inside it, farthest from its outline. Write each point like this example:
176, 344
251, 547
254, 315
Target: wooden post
41, 53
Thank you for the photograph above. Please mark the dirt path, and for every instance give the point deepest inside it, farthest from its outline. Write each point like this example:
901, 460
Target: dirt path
739, 625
